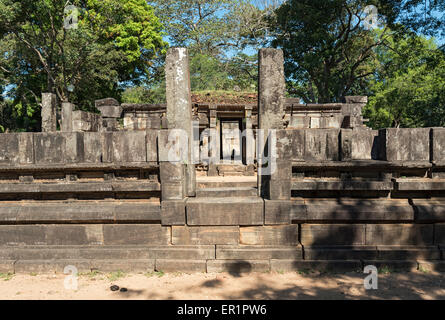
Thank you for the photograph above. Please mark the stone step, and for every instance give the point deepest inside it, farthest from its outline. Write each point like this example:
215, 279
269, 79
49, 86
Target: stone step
227, 192
79, 211
225, 211
117, 253
83, 265
239, 183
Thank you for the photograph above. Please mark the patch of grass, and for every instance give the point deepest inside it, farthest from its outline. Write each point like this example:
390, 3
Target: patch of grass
178, 274
6, 276
280, 271
91, 274
304, 271
423, 270
158, 274
113, 276
33, 274
385, 270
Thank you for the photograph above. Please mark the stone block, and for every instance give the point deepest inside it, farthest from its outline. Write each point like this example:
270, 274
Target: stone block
152, 145
93, 148
320, 265
74, 147
140, 212
277, 211
225, 211
130, 146
73, 235
86, 121
322, 144
256, 252
149, 234
107, 147
106, 102
50, 266
332, 234
183, 252
346, 144
172, 172
172, 146
110, 111
9, 148
439, 233
365, 144
49, 148
297, 140
359, 210
182, 235
236, 267
128, 265
399, 234
411, 144
26, 148
340, 252
408, 252
269, 235
172, 191
429, 210
173, 212
438, 144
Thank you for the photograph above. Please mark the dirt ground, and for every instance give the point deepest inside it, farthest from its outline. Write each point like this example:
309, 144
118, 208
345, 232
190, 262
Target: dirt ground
94, 286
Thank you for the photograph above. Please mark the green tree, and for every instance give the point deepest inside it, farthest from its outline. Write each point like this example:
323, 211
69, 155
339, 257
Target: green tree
114, 43
328, 51
408, 88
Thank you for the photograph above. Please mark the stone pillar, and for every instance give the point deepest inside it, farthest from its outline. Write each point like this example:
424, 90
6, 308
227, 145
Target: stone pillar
249, 139
353, 108
179, 105
274, 176
67, 117
110, 110
49, 112
213, 141
271, 89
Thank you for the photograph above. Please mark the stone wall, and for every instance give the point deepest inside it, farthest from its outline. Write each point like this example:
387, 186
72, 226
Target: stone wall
116, 200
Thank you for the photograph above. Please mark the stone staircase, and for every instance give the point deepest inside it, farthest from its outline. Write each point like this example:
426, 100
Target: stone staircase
226, 201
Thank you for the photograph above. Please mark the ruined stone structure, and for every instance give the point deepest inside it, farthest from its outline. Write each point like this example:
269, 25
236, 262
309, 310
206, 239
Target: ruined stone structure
104, 192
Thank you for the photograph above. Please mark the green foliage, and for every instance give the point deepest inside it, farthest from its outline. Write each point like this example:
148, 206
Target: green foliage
408, 88
116, 43
141, 94
212, 27
328, 52
6, 276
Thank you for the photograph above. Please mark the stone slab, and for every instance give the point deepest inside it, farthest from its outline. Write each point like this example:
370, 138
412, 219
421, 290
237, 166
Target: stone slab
238, 266
210, 235
225, 211
269, 235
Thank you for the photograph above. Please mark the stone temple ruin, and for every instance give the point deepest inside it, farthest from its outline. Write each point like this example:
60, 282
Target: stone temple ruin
104, 192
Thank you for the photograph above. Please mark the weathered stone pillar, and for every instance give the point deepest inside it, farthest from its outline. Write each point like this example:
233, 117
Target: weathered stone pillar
179, 105
49, 112
213, 141
353, 108
67, 117
274, 172
110, 110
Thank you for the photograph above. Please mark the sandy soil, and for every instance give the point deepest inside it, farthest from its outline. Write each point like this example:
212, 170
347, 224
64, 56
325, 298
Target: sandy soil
415, 285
